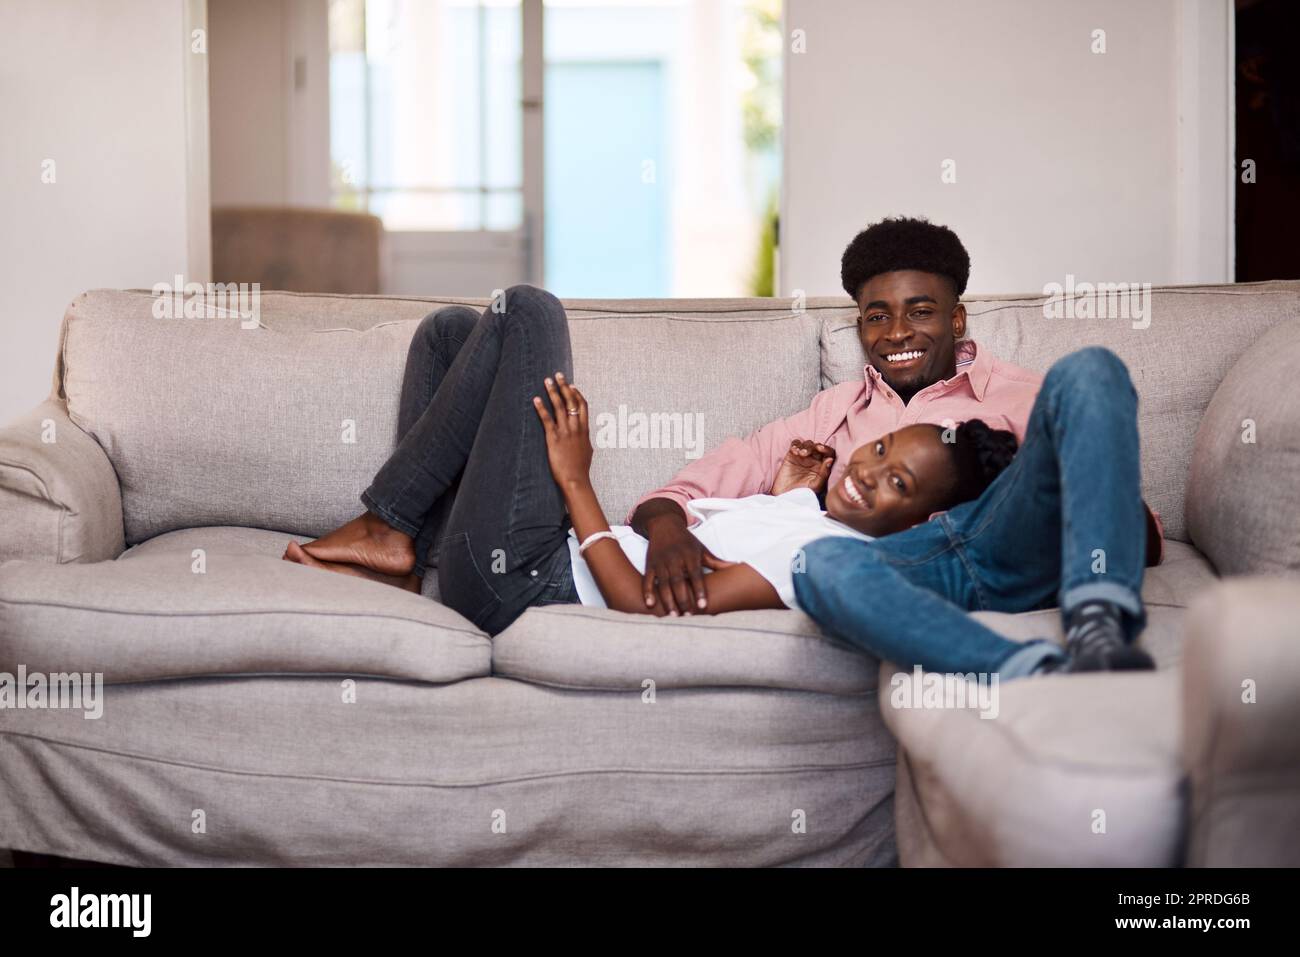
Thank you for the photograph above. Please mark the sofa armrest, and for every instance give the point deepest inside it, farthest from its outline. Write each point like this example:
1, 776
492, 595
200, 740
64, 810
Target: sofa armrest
1242, 501
1241, 712
59, 496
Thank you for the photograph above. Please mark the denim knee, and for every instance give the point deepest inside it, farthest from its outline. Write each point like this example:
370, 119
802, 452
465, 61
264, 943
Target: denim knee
534, 313
532, 298
821, 563
536, 307
1092, 367
455, 322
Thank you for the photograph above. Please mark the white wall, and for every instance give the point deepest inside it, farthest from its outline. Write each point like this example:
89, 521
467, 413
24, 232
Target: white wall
1112, 167
105, 91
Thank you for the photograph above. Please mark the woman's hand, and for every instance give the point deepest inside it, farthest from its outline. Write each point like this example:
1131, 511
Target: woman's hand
568, 442
806, 465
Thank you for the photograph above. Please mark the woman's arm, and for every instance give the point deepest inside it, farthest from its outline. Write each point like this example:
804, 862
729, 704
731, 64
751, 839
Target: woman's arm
735, 586
568, 448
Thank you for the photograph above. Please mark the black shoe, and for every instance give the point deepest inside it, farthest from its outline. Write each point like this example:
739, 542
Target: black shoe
1095, 641
1050, 666
1108, 657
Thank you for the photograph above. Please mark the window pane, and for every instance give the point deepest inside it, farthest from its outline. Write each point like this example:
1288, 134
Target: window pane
504, 210
503, 89
425, 99
411, 210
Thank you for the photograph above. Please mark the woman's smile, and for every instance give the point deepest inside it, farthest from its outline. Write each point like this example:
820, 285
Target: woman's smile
854, 493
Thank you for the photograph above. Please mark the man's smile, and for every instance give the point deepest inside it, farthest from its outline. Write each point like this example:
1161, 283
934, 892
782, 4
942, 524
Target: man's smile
905, 360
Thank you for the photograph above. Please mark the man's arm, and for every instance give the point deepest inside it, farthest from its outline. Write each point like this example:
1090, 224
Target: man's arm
675, 559
655, 508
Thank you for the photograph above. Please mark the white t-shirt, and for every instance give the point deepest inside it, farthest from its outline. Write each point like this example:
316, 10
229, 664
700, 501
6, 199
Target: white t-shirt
763, 531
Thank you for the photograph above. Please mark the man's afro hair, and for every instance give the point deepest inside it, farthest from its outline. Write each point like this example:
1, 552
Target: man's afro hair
904, 243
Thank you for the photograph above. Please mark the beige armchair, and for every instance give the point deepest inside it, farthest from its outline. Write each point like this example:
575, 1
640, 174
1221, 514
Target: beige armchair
300, 250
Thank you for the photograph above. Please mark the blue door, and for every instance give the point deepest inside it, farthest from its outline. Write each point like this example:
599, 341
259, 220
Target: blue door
607, 228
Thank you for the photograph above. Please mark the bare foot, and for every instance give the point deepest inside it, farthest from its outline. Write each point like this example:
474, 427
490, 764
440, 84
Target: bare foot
367, 541
296, 553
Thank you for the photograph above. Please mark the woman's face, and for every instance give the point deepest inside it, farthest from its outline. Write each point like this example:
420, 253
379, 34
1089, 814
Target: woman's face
894, 482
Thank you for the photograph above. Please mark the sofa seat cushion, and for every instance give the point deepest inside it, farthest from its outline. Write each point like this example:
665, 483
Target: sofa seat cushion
1180, 578
1079, 770
572, 646
203, 604
231, 539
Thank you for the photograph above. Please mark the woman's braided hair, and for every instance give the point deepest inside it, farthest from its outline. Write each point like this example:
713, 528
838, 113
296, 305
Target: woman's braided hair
979, 454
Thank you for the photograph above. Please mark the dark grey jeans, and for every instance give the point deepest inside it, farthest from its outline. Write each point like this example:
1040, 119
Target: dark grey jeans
469, 478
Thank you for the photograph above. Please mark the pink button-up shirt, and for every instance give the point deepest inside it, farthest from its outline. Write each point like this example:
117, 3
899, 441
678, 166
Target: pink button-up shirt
853, 413
847, 415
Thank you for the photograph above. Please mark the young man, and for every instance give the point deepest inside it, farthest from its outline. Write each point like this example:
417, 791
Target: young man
907, 277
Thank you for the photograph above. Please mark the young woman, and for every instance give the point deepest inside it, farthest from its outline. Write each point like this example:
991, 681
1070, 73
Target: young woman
488, 479
890, 484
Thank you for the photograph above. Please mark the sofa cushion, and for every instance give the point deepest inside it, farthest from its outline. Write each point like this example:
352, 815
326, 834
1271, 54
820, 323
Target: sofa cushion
1174, 367
1243, 494
207, 423
721, 374
153, 615
235, 538
196, 414
1182, 575
232, 539
1073, 771
571, 646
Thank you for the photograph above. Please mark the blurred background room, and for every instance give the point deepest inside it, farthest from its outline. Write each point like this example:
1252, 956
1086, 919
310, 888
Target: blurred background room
653, 170
630, 148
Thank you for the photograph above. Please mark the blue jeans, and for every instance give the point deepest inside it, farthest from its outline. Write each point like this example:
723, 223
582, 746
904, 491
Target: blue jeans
469, 479
1063, 524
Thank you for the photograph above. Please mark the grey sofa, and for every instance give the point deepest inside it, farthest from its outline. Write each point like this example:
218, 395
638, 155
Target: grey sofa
259, 712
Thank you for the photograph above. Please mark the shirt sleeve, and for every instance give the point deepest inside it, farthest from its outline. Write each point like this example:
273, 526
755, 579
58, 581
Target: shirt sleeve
738, 467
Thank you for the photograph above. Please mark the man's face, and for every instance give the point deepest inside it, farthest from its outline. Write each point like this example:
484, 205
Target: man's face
909, 323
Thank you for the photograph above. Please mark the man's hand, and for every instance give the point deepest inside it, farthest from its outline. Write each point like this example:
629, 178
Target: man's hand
806, 465
675, 559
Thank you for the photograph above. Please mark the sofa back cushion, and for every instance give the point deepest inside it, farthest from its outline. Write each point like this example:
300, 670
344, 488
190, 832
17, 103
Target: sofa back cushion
282, 426
1176, 360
